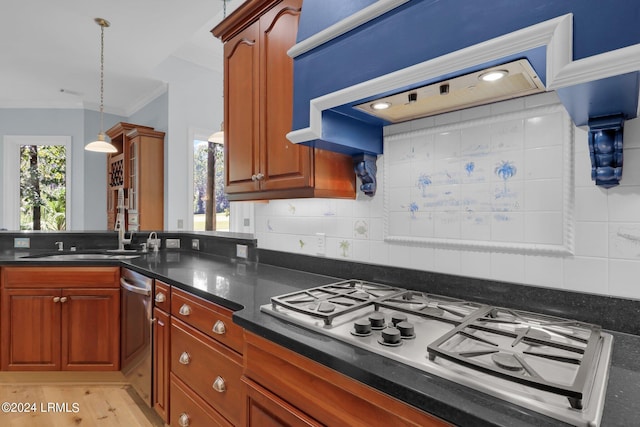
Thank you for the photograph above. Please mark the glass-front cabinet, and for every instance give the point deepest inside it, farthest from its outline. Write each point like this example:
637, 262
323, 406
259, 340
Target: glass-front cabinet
135, 178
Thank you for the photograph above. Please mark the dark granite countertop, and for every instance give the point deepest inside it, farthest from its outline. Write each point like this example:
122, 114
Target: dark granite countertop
244, 286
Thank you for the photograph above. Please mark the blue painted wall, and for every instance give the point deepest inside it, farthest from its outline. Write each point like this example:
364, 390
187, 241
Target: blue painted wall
425, 29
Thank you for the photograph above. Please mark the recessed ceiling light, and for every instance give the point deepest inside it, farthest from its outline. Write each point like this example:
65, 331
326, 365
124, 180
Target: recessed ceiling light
380, 105
493, 75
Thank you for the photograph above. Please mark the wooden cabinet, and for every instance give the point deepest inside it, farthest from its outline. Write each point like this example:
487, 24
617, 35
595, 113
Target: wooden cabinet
136, 172
161, 349
57, 318
308, 393
260, 163
189, 409
208, 318
265, 409
205, 361
211, 370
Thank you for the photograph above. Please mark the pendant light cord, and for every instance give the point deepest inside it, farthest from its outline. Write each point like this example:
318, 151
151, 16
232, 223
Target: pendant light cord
101, 78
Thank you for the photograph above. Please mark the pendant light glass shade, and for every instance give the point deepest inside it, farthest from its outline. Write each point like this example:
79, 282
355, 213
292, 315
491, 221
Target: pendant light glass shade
217, 137
101, 145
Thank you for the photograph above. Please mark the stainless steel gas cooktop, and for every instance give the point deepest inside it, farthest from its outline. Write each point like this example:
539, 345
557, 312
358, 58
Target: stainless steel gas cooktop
555, 366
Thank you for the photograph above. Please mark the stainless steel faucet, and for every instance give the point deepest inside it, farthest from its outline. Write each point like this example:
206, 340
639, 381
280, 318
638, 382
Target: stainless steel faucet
122, 240
152, 241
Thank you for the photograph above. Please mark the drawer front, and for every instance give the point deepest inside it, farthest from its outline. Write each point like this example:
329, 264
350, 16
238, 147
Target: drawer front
67, 277
162, 296
187, 409
210, 369
207, 317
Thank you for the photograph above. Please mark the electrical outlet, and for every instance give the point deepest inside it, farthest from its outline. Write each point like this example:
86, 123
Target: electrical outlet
321, 244
180, 224
195, 244
21, 242
246, 222
241, 251
172, 243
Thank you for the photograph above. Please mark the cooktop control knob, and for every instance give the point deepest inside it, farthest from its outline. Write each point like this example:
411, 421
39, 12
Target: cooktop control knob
406, 330
397, 318
377, 320
362, 327
390, 336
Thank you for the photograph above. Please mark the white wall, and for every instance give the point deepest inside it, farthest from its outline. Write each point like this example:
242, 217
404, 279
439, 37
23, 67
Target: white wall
606, 259
195, 102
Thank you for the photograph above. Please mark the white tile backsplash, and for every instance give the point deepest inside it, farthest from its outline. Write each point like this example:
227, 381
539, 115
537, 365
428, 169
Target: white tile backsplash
586, 275
606, 230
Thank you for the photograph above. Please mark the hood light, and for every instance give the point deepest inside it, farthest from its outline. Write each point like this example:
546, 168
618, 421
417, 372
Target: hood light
380, 105
456, 93
493, 75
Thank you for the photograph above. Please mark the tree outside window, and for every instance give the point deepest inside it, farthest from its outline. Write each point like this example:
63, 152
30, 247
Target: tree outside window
43, 187
210, 204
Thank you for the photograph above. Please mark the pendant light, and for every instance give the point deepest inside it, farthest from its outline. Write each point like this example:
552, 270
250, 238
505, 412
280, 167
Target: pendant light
100, 145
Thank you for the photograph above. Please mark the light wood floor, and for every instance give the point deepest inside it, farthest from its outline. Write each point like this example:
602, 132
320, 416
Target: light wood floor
78, 400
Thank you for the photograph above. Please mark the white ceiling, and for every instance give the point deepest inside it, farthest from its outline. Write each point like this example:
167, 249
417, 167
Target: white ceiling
50, 50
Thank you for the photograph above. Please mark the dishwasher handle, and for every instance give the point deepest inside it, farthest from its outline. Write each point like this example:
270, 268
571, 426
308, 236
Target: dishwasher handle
131, 288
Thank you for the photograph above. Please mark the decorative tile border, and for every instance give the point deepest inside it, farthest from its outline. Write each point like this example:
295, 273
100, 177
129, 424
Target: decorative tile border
470, 187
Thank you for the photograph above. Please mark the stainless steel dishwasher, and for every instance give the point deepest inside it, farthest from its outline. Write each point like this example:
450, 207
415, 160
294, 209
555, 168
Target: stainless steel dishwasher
136, 331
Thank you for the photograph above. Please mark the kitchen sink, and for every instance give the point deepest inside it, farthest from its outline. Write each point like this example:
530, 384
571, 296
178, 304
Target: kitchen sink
115, 255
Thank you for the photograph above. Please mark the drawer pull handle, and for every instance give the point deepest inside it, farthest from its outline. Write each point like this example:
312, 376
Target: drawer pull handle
219, 327
160, 297
63, 299
56, 299
185, 310
183, 420
185, 358
219, 385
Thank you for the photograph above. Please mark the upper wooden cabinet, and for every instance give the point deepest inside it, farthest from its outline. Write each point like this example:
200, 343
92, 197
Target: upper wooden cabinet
138, 170
260, 163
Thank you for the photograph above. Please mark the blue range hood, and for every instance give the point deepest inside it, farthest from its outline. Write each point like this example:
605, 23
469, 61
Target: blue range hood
588, 51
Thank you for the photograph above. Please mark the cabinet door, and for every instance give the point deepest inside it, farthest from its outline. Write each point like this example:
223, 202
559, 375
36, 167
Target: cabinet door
133, 170
90, 329
146, 181
241, 73
265, 409
161, 367
31, 329
285, 165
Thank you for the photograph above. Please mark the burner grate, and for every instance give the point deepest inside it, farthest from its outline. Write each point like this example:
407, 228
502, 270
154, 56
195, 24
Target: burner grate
497, 331
330, 301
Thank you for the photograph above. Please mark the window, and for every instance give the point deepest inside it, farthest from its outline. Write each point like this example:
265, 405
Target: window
43, 201
37, 181
210, 204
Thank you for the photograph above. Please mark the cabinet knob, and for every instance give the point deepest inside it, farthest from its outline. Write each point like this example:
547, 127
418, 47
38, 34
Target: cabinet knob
56, 299
219, 327
260, 176
63, 299
160, 297
219, 385
185, 358
185, 310
183, 420
254, 177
